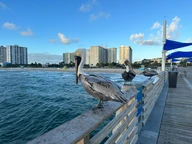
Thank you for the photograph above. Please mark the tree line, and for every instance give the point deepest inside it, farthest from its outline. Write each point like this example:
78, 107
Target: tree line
147, 64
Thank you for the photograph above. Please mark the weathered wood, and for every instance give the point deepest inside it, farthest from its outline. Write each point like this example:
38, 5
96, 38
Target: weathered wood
78, 128
147, 82
112, 124
176, 124
120, 129
150, 96
147, 105
134, 140
131, 137
85, 140
132, 129
147, 92
123, 126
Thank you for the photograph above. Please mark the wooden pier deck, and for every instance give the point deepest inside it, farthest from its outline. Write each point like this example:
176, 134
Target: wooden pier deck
176, 125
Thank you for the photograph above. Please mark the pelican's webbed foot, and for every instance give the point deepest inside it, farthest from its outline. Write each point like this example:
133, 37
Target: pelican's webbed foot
99, 105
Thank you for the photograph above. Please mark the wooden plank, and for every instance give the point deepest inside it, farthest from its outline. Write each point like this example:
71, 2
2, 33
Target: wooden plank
76, 129
146, 115
148, 97
147, 105
129, 133
147, 92
120, 129
147, 83
109, 127
134, 139
176, 124
85, 140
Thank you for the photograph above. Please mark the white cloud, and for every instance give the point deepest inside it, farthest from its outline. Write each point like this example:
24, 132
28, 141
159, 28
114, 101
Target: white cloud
172, 29
139, 39
2, 5
99, 15
147, 42
137, 36
10, 26
156, 25
87, 6
28, 32
44, 58
63, 39
172, 32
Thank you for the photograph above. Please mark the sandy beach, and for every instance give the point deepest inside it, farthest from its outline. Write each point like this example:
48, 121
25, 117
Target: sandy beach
107, 70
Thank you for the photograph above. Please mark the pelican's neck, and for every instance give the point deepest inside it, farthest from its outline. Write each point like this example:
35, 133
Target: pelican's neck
131, 68
126, 68
80, 68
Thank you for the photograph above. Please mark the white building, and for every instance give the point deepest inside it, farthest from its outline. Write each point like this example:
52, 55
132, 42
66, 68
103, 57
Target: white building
87, 57
125, 52
68, 58
16, 54
98, 54
112, 55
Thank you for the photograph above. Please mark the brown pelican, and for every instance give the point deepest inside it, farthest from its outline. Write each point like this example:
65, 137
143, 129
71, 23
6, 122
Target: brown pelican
149, 73
129, 73
97, 86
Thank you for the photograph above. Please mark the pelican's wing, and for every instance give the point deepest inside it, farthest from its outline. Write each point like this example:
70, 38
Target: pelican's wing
105, 88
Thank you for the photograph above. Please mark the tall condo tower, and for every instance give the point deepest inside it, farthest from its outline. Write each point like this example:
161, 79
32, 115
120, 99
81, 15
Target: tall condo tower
16, 54
112, 55
68, 58
2, 54
98, 54
125, 52
87, 57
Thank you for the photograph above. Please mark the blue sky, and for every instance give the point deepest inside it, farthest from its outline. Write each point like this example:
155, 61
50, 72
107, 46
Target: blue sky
50, 28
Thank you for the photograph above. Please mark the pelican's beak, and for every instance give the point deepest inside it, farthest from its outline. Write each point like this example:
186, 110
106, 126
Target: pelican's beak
77, 62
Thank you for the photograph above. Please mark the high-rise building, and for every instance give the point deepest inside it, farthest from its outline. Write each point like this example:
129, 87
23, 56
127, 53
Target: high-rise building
125, 52
112, 55
71, 57
16, 54
65, 58
98, 54
87, 57
68, 58
2, 54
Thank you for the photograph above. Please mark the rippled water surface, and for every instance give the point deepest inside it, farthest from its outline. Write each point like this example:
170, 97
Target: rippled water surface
34, 102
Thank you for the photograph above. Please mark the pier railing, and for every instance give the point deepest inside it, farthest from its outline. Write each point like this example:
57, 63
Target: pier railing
151, 91
115, 123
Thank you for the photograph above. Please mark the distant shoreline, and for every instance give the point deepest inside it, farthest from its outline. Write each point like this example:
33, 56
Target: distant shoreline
107, 70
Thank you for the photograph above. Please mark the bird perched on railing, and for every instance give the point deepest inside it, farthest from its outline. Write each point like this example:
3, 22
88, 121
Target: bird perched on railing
98, 86
149, 73
129, 73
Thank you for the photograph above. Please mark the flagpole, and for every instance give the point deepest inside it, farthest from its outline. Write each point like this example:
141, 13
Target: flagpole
164, 51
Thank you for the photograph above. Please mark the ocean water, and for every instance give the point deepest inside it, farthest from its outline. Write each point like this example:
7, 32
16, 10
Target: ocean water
34, 102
